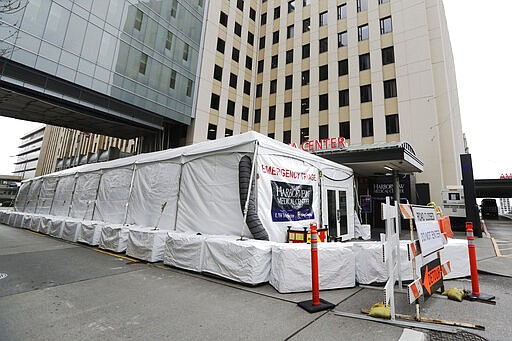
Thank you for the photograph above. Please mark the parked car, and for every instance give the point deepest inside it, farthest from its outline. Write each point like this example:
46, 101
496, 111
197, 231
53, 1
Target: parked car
489, 208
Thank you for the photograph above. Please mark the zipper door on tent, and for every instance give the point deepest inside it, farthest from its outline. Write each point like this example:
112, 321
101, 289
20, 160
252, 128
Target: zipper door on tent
335, 212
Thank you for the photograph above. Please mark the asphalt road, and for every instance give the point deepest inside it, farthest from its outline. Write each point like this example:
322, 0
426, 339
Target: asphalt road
55, 290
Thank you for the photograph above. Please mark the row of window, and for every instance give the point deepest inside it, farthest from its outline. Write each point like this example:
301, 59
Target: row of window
230, 109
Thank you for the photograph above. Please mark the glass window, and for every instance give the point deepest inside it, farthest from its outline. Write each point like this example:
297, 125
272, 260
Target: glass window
362, 5
233, 80
287, 136
304, 135
217, 73
188, 92
289, 32
323, 131
172, 80
223, 20
245, 113
230, 110
345, 129
343, 98
55, 25
248, 62
273, 86
168, 41
362, 32
214, 101
138, 19
342, 39
386, 25
306, 25
323, 102
240, 4
390, 88
238, 29
143, 63
392, 126
247, 87
306, 2
383, 1
174, 8
221, 44
289, 56
228, 132
250, 38
364, 61
323, 19
305, 77
274, 62
304, 106
343, 67
259, 88
367, 127
323, 72
252, 14
366, 93
261, 64
291, 6
342, 11
257, 116
288, 82
288, 109
262, 42
323, 45
277, 12
185, 52
305, 51
388, 55
263, 20
272, 135
235, 54
272, 113
212, 132
275, 37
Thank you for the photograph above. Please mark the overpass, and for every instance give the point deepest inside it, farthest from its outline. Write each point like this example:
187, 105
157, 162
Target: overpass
493, 188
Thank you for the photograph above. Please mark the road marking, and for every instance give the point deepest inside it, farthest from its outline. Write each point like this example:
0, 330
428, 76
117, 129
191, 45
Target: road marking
118, 256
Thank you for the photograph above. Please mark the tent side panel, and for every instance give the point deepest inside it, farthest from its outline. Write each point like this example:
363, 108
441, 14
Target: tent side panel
63, 195
46, 195
113, 195
85, 194
33, 195
21, 198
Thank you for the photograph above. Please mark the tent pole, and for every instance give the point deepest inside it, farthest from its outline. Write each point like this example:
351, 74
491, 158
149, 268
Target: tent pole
179, 191
129, 194
96, 197
246, 206
72, 195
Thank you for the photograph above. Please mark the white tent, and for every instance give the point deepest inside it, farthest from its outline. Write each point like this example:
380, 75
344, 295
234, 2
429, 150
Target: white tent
198, 189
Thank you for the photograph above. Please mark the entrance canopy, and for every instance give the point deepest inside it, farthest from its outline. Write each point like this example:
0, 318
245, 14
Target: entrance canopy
377, 159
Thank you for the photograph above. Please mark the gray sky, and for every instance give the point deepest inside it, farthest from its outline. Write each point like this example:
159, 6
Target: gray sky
480, 37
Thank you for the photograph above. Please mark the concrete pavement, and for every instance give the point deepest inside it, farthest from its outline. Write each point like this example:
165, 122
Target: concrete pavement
59, 290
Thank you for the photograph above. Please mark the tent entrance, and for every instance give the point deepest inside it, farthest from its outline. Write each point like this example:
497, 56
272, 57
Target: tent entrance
335, 212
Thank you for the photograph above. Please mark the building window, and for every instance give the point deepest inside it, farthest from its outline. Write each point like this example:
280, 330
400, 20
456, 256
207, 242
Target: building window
362, 32
383, 1
233, 80
386, 25
188, 91
304, 135
238, 29
247, 87
343, 67
291, 6
240, 4
277, 12
287, 136
362, 5
231, 108
342, 11
304, 106
272, 113
172, 80
274, 62
221, 45
364, 61
272, 135
306, 2
250, 38
223, 20
305, 51
288, 82
217, 73
245, 113
228, 132
138, 20
323, 19
323, 72
275, 37
143, 63
252, 14
288, 109
289, 32
262, 43
306, 25
168, 41
323, 45
259, 90
342, 39
185, 52
214, 101
289, 56
392, 126
263, 19
235, 54
367, 127
390, 88
323, 131
273, 86
212, 132
305, 77
343, 98
366, 93
388, 55
248, 62
323, 102
345, 129
174, 8
257, 116
261, 64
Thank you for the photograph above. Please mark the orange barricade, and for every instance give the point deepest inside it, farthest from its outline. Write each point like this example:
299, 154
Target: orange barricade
446, 227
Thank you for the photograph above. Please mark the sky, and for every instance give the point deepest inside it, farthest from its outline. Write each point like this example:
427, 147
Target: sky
480, 38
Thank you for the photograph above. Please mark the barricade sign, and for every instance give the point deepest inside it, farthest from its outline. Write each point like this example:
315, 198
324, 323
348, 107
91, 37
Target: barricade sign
415, 290
431, 277
429, 232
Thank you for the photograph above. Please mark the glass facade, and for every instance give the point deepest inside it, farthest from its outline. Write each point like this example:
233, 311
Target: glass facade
141, 52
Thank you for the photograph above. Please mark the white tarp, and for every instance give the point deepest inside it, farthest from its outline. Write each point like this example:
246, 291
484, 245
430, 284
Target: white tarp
184, 250
26, 221
21, 198
57, 226
46, 195
36, 222
291, 267
18, 220
246, 261
84, 197
45, 223
70, 230
90, 232
33, 195
155, 186
113, 193
4, 217
63, 196
146, 243
114, 238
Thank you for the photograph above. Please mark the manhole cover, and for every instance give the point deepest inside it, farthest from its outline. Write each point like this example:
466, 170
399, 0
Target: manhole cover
2, 275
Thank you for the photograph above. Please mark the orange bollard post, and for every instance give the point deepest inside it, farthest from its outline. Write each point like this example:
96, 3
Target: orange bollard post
316, 304
475, 294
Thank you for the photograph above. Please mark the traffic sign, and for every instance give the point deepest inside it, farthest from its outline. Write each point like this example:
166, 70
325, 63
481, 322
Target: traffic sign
431, 277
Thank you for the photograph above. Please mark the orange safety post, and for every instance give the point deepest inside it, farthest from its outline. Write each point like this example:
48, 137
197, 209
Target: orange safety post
316, 304
475, 294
